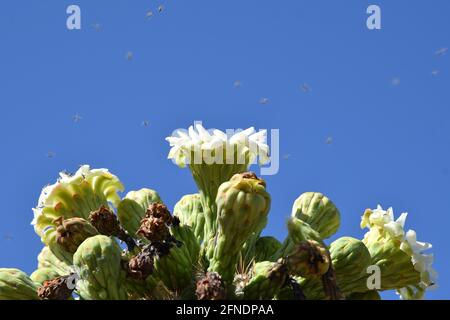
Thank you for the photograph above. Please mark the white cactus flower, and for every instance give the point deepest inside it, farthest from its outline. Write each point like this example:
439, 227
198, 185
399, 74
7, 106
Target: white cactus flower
384, 223
197, 144
74, 196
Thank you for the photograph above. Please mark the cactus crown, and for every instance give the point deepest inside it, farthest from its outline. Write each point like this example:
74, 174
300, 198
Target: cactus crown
212, 247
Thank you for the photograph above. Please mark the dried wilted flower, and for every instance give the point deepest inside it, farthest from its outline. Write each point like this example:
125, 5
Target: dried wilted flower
56, 289
211, 287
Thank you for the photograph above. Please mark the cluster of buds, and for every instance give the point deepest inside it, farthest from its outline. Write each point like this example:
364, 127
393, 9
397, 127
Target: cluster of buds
212, 247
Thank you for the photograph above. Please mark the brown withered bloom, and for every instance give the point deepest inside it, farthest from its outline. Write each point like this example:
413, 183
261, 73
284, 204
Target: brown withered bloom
160, 211
252, 175
153, 229
211, 287
155, 225
105, 221
56, 289
141, 266
70, 233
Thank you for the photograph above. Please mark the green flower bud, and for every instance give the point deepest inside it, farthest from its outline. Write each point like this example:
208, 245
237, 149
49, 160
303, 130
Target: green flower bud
319, 212
190, 212
74, 196
308, 259
72, 232
350, 258
298, 231
266, 281
243, 205
16, 285
132, 209
265, 248
368, 295
301, 231
99, 261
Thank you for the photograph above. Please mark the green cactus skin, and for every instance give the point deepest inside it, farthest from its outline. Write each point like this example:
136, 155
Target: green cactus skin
319, 212
175, 269
247, 254
138, 290
133, 207
44, 274
16, 285
99, 261
267, 280
265, 248
208, 178
60, 253
368, 295
190, 212
190, 244
48, 260
243, 205
285, 293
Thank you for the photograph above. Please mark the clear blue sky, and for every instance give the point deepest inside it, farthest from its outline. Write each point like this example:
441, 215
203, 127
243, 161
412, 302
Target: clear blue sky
391, 143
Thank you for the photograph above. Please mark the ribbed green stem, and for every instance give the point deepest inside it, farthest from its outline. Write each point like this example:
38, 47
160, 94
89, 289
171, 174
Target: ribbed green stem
208, 178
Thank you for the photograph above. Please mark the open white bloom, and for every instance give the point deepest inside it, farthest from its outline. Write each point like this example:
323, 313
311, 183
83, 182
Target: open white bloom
84, 173
198, 145
384, 223
423, 263
74, 196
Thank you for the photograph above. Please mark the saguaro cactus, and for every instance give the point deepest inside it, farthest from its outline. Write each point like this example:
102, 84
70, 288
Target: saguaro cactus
98, 245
